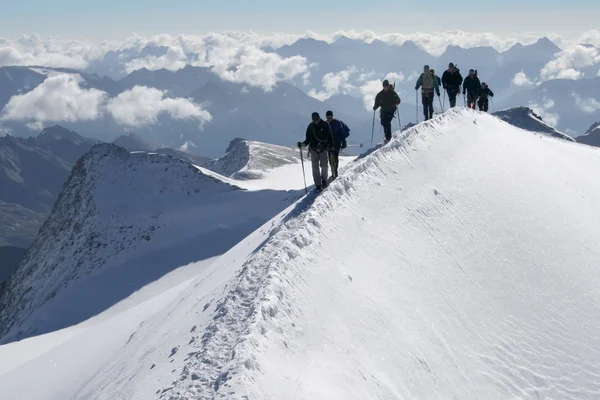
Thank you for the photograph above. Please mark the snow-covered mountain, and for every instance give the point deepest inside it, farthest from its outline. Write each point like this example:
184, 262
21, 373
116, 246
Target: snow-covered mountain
525, 118
572, 104
591, 136
441, 265
123, 220
248, 159
266, 164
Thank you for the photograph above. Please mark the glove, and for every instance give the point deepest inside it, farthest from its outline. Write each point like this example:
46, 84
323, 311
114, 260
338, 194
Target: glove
416, 88
300, 144
464, 92
374, 108
438, 93
445, 87
344, 144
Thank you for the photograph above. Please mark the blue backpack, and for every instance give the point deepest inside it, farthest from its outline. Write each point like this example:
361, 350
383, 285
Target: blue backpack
344, 130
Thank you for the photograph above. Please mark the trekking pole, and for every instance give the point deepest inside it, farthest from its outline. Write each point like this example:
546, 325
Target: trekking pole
464, 100
441, 106
399, 121
373, 128
444, 103
417, 104
492, 100
303, 173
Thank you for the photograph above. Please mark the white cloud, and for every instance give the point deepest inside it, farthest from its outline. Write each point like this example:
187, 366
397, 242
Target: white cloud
334, 83
544, 110
568, 63
49, 52
186, 146
142, 105
58, 98
588, 105
522, 80
174, 60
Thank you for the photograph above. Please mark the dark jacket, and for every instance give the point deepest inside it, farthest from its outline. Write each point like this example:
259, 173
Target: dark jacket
339, 131
472, 85
452, 80
484, 93
388, 101
319, 136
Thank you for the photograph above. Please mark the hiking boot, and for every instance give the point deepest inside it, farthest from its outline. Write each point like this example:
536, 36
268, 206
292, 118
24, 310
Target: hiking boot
324, 183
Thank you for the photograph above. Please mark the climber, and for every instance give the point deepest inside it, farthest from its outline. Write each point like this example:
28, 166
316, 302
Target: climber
389, 101
320, 141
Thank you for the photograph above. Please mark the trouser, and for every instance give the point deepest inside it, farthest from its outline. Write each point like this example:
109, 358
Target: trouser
386, 122
452, 92
427, 101
319, 160
334, 161
483, 104
471, 99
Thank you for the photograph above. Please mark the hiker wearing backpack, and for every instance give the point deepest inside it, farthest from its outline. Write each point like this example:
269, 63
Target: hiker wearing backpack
439, 81
483, 101
428, 84
340, 132
451, 81
320, 142
389, 101
472, 87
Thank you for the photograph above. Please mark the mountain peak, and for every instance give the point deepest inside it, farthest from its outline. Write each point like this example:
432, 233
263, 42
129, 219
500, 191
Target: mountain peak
93, 224
591, 136
248, 159
546, 44
58, 132
525, 118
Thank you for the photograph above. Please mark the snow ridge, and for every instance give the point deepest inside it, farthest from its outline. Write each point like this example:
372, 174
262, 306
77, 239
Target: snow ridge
223, 358
257, 297
111, 206
247, 159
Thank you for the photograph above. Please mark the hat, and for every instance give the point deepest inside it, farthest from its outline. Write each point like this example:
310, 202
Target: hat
315, 116
329, 113
471, 71
451, 65
386, 83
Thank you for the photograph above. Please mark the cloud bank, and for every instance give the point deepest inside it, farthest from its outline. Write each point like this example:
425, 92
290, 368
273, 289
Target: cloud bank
245, 56
60, 98
142, 105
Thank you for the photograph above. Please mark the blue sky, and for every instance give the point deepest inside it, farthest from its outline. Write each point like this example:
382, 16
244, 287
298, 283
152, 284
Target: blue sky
118, 18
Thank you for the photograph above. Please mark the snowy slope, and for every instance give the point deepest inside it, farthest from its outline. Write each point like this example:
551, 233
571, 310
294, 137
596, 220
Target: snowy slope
255, 164
441, 266
122, 221
525, 118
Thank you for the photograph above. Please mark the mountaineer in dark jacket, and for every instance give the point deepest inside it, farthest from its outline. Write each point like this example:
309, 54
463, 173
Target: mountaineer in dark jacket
451, 81
388, 100
472, 87
483, 101
320, 141
340, 132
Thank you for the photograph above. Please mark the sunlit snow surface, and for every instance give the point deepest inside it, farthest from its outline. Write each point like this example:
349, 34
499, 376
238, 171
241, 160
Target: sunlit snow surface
459, 261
